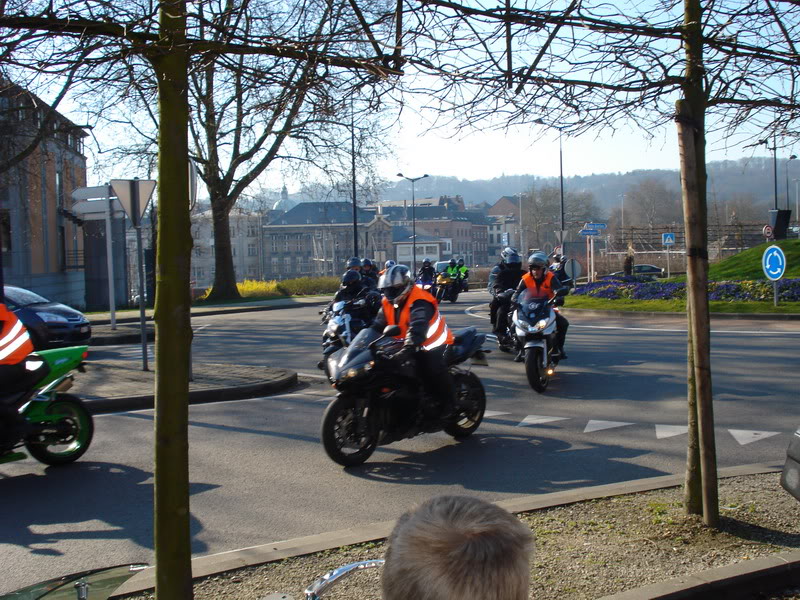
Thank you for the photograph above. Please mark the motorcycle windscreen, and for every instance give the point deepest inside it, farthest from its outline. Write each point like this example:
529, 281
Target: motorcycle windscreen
98, 584
356, 354
532, 306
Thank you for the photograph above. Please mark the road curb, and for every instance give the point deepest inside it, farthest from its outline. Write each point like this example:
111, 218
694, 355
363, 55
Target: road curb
737, 575
205, 396
589, 312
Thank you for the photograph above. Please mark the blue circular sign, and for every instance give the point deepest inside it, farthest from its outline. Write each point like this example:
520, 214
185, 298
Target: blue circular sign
774, 263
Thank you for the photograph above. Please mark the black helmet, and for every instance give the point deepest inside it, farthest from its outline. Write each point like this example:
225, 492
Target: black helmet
510, 256
538, 259
452, 262
350, 278
366, 263
395, 283
460, 262
353, 262
426, 262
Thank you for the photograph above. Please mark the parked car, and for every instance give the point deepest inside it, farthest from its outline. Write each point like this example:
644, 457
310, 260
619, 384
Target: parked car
50, 324
643, 270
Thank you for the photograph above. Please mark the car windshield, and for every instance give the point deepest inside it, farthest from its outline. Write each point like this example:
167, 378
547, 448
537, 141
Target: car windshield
442, 265
22, 297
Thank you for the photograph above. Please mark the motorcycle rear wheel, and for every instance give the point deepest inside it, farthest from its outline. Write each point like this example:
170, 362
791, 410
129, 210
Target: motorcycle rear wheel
537, 375
340, 437
471, 405
57, 446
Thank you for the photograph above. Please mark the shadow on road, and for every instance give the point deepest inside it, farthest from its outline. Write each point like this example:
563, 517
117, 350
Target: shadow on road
116, 499
491, 462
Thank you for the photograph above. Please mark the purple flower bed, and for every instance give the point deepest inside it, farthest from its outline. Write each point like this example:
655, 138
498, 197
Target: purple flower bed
613, 288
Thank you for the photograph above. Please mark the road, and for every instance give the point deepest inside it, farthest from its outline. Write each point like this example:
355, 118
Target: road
615, 411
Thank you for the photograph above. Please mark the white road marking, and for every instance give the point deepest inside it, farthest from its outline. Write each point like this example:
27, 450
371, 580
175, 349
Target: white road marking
538, 420
494, 413
665, 431
744, 436
600, 425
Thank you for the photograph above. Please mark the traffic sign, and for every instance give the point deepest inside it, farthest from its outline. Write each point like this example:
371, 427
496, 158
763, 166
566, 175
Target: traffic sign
573, 269
773, 262
668, 239
589, 232
134, 204
767, 231
595, 226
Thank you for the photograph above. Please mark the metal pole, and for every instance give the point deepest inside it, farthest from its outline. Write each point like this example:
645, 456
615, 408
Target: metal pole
775, 166
136, 218
112, 301
561, 178
797, 202
522, 229
413, 230
668, 272
353, 165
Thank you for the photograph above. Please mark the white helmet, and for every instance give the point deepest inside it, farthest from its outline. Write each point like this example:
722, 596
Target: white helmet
538, 259
389, 263
395, 283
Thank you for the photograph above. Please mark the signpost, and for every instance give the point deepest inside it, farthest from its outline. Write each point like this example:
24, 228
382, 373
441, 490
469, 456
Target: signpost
130, 193
668, 239
773, 263
589, 231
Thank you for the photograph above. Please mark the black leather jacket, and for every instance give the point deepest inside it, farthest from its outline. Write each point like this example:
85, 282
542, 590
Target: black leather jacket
502, 278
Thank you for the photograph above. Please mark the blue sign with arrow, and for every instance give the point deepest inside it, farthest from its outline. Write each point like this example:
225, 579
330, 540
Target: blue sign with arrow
774, 263
589, 232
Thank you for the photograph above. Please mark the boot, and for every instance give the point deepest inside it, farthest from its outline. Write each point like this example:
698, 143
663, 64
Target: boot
520, 357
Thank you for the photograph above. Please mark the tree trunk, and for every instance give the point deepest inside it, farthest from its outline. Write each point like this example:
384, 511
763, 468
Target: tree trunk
692, 488
173, 302
225, 275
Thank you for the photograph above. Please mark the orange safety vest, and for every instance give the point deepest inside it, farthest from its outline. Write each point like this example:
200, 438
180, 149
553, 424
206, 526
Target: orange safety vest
438, 332
540, 290
15, 343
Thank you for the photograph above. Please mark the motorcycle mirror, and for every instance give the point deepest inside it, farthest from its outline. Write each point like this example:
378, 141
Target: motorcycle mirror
391, 331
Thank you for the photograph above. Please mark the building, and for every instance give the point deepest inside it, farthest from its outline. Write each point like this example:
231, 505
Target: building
42, 244
427, 246
316, 239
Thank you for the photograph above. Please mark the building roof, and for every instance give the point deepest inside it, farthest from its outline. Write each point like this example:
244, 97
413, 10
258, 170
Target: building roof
322, 213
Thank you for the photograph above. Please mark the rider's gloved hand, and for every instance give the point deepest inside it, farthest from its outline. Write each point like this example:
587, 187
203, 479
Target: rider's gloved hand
407, 352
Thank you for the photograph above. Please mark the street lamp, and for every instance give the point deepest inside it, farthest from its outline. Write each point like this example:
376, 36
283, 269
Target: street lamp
774, 163
560, 174
413, 181
791, 158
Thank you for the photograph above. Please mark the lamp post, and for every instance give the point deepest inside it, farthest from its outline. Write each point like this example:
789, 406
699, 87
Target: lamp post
413, 181
791, 158
774, 163
560, 175
353, 166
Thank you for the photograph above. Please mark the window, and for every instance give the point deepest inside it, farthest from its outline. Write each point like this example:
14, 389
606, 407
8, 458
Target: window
252, 230
252, 270
252, 250
198, 252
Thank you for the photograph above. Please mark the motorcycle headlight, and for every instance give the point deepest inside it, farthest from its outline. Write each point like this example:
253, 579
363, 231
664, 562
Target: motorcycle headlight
541, 324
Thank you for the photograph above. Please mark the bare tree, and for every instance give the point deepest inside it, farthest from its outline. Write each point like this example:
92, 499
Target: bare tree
650, 202
733, 66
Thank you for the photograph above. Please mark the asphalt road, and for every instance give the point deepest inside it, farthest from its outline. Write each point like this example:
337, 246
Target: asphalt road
615, 411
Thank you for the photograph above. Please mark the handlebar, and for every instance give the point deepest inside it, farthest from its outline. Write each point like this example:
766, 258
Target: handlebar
318, 589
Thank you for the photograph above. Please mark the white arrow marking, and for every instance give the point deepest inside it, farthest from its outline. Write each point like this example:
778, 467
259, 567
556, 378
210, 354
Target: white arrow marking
665, 431
494, 413
599, 425
743, 436
538, 420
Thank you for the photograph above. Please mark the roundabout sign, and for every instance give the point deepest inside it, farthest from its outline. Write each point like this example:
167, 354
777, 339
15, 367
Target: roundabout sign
773, 263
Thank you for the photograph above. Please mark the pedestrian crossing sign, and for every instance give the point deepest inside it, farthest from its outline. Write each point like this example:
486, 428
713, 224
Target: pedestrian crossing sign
668, 239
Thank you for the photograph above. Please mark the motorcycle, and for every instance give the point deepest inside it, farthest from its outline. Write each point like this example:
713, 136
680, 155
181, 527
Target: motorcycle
344, 319
381, 400
428, 286
56, 428
448, 287
96, 584
533, 329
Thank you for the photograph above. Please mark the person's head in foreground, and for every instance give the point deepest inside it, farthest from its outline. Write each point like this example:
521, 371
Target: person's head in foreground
457, 548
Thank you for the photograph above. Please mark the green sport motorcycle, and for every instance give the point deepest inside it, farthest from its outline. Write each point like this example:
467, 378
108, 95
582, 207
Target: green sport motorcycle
54, 427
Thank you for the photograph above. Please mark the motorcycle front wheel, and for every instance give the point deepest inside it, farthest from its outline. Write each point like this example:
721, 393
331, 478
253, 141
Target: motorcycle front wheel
537, 375
65, 439
471, 404
453, 295
340, 435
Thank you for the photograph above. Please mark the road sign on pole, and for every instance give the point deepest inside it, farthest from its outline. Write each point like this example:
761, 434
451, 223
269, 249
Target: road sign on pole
589, 232
595, 226
773, 262
124, 190
668, 239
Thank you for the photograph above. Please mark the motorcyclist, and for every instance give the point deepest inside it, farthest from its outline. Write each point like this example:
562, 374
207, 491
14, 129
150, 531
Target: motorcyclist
424, 330
354, 264
463, 274
387, 264
557, 267
369, 274
452, 268
504, 276
542, 283
16, 372
354, 287
426, 272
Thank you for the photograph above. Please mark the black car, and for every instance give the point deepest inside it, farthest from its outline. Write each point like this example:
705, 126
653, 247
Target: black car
643, 270
50, 324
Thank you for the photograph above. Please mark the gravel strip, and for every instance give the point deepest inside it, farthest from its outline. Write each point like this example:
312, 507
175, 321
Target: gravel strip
583, 551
